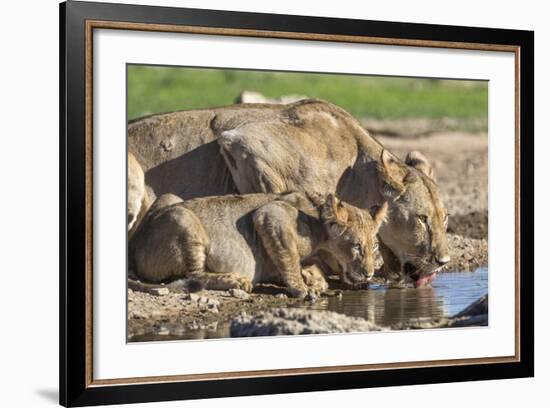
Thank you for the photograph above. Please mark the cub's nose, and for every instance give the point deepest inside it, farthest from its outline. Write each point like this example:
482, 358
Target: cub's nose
442, 260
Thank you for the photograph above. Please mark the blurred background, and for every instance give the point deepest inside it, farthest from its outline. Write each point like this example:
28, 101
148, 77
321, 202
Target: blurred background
153, 89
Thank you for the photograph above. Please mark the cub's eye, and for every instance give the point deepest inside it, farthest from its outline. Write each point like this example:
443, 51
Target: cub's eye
423, 218
357, 250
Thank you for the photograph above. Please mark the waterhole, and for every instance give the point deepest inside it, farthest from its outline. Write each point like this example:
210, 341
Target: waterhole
449, 294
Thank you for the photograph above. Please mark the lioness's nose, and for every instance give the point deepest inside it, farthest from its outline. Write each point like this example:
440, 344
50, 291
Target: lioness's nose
442, 260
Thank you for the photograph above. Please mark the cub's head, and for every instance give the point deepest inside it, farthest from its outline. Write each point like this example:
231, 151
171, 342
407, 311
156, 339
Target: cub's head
417, 219
351, 237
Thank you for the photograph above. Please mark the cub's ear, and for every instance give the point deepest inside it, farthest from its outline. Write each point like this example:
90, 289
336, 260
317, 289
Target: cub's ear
335, 216
392, 175
379, 214
418, 161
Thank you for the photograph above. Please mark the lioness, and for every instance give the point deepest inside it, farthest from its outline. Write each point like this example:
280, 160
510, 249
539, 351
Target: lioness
310, 146
238, 241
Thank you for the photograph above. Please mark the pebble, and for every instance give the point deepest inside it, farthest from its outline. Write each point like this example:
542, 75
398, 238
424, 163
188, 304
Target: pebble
208, 307
138, 315
159, 291
212, 326
239, 294
193, 297
213, 302
281, 296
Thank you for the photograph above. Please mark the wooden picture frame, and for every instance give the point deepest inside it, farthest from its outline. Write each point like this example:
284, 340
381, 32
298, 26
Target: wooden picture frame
78, 20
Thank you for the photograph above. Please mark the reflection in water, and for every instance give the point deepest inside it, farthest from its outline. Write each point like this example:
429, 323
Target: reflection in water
450, 293
387, 307
220, 330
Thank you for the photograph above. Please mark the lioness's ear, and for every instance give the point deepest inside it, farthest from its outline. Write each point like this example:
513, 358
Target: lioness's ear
378, 214
393, 174
418, 161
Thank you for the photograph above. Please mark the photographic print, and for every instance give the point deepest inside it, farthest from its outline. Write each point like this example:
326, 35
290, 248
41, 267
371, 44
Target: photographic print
325, 189
266, 203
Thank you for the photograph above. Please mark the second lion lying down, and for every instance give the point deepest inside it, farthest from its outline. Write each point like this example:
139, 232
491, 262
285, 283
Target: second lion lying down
238, 241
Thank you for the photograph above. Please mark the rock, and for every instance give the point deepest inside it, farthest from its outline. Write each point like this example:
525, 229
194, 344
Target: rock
297, 321
213, 302
159, 291
474, 315
193, 297
256, 97
239, 294
212, 326
477, 314
479, 307
137, 314
468, 321
194, 325
281, 296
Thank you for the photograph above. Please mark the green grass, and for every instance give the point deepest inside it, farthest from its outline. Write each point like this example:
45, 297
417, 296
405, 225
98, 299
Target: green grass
165, 89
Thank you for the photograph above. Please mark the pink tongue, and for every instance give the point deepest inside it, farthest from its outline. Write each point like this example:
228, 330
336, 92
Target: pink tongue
424, 280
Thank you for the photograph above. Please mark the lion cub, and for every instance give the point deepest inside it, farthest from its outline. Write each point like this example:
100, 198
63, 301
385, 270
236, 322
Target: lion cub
238, 241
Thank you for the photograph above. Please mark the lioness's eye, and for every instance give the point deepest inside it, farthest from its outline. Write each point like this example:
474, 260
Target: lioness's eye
375, 246
423, 218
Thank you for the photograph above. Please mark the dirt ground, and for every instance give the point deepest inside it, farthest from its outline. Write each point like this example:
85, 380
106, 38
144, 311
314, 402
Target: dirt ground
175, 313
460, 164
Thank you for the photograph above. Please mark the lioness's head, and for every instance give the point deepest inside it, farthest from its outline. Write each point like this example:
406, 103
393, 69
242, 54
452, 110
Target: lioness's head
352, 238
417, 219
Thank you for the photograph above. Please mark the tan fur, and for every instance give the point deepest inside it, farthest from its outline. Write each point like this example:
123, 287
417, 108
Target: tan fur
238, 241
310, 146
419, 220
138, 201
314, 279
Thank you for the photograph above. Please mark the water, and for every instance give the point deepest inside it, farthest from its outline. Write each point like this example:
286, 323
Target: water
449, 294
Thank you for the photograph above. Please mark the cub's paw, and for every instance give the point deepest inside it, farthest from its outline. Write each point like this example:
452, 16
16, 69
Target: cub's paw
315, 280
299, 292
243, 284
